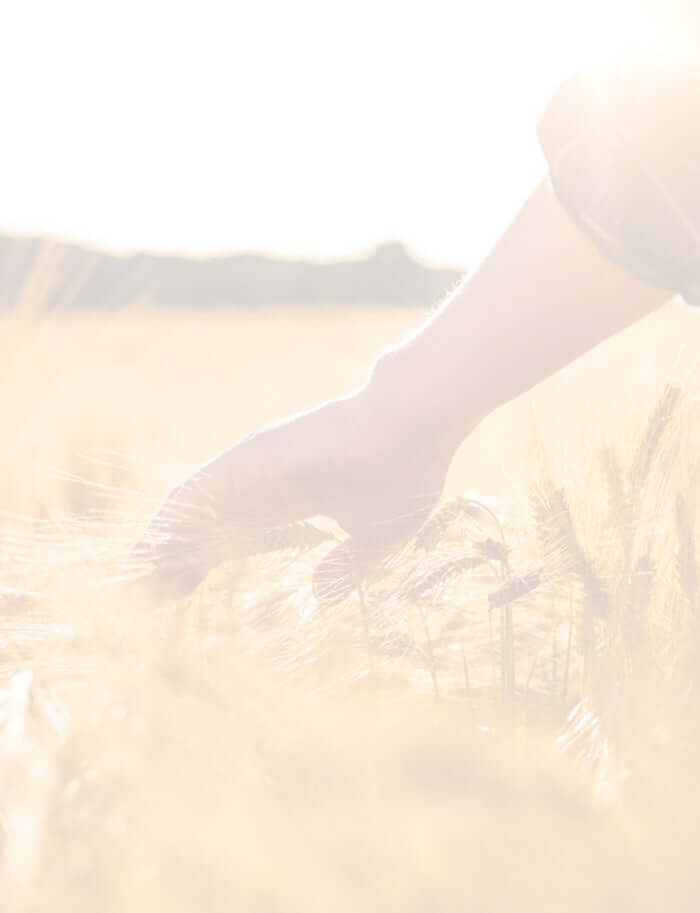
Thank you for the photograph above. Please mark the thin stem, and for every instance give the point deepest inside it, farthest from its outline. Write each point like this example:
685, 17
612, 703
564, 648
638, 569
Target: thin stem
465, 670
508, 658
368, 642
538, 656
492, 651
567, 662
431, 654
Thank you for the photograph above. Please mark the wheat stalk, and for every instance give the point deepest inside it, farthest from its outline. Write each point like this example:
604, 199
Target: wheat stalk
618, 499
648, 448
687, 564
450, 513
635, 610
561, 542
439, 576
514, 588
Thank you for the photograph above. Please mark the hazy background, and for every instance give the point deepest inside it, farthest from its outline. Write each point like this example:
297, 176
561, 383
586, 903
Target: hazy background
213, 215
298, 129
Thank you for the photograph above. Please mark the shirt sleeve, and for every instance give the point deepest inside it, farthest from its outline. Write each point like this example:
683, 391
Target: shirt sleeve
623, 148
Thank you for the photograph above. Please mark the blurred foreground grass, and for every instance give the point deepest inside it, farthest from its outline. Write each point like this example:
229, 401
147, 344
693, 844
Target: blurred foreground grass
250, 750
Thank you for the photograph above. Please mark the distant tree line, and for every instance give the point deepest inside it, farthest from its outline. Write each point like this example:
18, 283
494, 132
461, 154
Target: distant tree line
54, 275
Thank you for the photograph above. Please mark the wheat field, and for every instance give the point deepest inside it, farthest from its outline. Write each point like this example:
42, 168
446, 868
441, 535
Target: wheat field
503, 718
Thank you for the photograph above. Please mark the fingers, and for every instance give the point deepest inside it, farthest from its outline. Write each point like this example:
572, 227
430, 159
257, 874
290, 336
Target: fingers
343, 569
226, 508
320, 462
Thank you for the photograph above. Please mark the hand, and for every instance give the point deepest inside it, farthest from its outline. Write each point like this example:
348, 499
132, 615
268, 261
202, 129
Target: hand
339, 460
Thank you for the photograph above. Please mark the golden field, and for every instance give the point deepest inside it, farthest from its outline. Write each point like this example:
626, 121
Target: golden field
407, 750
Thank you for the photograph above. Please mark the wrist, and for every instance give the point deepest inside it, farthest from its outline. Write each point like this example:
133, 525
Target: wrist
413, 407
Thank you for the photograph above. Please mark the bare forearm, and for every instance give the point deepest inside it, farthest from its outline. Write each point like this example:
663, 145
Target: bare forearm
376, 460
542, 297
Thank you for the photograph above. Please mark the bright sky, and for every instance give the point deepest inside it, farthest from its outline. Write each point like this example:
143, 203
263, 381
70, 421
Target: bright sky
303, 128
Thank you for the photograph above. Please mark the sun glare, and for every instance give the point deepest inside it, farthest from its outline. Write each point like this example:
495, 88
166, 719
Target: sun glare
286, 128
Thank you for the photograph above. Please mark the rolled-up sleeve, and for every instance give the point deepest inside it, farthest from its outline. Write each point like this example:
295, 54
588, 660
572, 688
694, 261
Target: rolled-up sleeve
623, 148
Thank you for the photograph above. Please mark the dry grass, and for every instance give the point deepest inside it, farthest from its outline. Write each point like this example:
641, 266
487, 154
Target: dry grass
503, 719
